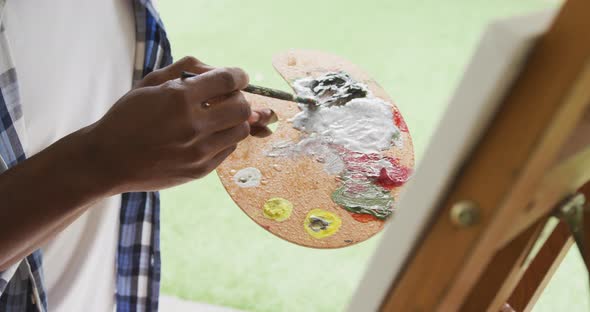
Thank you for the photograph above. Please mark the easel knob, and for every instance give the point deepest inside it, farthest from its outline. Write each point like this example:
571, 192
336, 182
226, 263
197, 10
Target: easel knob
465, 213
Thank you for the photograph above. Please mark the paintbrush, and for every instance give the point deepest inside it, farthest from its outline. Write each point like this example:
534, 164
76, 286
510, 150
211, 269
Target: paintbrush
268, 92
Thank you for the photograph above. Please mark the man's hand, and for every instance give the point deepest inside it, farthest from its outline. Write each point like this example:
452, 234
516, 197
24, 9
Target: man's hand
259, 119
162, 134
156, 136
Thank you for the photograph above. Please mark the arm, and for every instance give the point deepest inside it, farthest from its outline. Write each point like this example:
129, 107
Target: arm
43, 191
157, 136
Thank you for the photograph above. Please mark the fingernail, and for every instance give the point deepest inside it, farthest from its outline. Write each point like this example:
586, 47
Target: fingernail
273, 117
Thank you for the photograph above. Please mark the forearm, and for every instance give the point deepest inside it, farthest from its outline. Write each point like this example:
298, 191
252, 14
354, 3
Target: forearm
42, 195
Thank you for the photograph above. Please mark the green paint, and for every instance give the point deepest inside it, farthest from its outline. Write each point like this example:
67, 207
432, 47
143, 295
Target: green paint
373, 200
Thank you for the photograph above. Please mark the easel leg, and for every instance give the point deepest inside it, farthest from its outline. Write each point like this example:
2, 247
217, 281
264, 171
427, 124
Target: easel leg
541, 269
502, 274
506, 279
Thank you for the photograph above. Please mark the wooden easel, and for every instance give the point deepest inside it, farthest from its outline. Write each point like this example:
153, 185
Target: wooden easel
531, 163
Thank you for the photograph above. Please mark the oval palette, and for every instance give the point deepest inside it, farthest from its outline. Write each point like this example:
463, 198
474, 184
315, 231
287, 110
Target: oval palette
330, 175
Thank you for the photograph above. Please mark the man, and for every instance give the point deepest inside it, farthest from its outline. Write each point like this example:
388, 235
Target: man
75, 135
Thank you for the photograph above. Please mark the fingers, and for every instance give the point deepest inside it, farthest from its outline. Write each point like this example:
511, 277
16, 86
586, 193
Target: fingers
201, 170
226, 138
260, 132
171, 72
223, 143
215, 83
211, 152
262, 117
200, 153
233, 110
259, 120
220, 157
226, 112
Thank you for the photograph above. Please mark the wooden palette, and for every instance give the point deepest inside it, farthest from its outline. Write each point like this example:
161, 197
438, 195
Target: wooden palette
301, 180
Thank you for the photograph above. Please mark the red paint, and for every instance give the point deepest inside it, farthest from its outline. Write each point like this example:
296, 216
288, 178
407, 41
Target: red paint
364, 218
394, 177
356, 186
385, 171
399, 120
362, 165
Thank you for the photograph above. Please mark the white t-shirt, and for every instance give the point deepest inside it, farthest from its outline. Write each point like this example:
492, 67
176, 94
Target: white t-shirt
74, 59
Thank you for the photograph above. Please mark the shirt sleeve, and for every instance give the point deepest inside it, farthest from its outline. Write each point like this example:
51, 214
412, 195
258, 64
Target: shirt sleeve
6, 276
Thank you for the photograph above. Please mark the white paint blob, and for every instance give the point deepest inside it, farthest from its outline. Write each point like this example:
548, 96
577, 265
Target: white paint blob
320, 150
248, 177
303, 87
362, 125
313, 146
347, 117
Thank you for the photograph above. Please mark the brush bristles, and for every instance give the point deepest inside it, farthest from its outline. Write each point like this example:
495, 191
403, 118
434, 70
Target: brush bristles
304, 100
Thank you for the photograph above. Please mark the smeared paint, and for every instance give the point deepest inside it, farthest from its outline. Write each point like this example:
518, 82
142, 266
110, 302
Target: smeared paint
348, 116
363, 218
365, 165
399, 121
395, 176
320, 223
346, 133
385, 171
365, 198
248, 177
332, 89
322, 152
362, 125
366, 183
315, 147
278, 209
281, 149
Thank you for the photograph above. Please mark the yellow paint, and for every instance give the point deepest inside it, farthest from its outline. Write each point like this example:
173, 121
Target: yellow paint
278, 209
321, 223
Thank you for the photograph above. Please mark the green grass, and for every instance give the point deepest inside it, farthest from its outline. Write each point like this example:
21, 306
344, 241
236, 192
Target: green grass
417, 50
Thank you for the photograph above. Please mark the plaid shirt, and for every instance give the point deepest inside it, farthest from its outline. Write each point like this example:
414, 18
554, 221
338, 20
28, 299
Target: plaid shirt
138, 252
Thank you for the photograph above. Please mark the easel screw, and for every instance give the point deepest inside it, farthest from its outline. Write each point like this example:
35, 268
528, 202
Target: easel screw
465, 213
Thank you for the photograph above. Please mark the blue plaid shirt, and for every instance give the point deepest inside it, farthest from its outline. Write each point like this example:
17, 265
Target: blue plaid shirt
138, 253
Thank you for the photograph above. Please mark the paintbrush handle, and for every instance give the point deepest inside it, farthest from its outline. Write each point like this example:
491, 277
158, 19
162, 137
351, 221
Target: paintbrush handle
268, 92
264, 91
